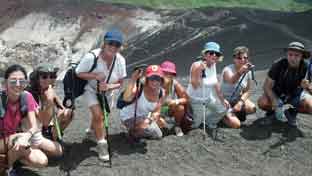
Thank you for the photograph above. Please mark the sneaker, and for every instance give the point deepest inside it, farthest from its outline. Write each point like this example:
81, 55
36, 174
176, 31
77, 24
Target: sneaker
178, 131
213, 133
11, 172
291, 117
90, 134
102, 151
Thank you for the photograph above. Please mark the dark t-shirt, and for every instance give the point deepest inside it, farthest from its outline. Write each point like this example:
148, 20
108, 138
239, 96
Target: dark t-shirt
287, 80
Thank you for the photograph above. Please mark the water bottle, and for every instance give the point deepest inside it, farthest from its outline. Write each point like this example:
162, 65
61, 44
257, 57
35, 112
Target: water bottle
279, 111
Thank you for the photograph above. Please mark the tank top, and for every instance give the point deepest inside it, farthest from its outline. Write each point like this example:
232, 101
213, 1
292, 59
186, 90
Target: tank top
143, 108
206, 90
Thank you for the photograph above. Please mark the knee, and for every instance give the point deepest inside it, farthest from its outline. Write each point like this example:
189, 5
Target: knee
232, 121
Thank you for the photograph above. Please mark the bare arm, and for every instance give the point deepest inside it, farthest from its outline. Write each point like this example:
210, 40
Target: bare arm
267, 87
183, 98
196, 72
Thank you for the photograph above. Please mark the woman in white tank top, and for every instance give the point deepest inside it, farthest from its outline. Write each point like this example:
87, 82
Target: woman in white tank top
235, 85
204, 89
142, 115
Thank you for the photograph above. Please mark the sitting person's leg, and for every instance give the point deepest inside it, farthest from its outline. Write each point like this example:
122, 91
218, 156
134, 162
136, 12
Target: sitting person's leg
305, 103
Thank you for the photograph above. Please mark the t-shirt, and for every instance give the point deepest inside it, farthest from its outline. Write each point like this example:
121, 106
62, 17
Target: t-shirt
287, 80
12, 117
119, 70
228, 88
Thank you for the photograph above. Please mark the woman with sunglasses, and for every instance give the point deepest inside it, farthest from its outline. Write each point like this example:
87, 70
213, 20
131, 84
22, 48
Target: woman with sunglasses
105, 77
204, 90
235, 85
176, 100
19, 145
142, 114
42, 81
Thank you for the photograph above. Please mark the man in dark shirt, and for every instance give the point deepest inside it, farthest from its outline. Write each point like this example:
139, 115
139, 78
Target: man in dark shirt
283, 85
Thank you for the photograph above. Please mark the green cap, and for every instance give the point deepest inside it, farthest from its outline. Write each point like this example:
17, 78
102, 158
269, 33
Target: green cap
46, 67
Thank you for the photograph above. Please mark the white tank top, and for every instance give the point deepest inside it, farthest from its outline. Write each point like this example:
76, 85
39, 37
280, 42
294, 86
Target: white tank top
143, 108
206, 90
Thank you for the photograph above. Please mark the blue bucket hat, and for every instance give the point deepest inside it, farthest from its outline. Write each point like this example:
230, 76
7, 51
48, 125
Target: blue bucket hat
212, 46
113, 35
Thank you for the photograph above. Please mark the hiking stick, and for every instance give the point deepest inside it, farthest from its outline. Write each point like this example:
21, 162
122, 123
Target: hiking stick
57, 124
204, 120
106, 123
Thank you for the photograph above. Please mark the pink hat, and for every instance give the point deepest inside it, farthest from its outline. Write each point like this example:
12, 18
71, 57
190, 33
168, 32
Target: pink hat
169, 67
154, 70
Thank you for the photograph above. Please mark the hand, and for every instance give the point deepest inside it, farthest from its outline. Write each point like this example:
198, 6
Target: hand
244, 69
103, 86
50, 95
99, 76
137, 74
305, 84
226, 104
21, 141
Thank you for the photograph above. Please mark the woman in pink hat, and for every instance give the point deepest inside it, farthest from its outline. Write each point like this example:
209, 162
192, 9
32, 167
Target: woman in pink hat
176, 100
142, 102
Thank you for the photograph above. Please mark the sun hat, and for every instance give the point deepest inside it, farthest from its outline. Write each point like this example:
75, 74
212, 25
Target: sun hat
212, 46
169, 67
298, 47
46, 67
113, 35
154, 70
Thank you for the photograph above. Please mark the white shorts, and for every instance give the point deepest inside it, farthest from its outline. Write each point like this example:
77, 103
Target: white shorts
305, 95
91, 98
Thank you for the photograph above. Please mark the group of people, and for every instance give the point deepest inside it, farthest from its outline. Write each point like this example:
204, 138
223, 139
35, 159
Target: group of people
33, 117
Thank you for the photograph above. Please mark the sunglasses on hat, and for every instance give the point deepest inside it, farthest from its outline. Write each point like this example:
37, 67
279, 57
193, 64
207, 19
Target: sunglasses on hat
16, 82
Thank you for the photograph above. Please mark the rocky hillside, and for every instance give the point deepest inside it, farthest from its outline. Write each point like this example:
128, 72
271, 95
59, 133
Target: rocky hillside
60, 32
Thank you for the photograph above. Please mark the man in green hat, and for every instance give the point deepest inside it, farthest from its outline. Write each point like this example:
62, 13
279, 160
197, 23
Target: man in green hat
282, 86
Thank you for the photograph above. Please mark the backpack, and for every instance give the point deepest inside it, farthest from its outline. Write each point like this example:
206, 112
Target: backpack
73, 85
23, 104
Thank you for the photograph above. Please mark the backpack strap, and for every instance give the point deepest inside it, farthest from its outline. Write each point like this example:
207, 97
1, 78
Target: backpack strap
23, 104
3, 102
94, 61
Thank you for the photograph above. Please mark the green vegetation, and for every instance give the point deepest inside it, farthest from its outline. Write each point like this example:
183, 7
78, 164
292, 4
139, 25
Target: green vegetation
280, 5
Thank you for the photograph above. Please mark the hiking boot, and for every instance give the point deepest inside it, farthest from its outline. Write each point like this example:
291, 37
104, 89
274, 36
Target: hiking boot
102, 151
178, 131
293, 132
291, 116
90, 135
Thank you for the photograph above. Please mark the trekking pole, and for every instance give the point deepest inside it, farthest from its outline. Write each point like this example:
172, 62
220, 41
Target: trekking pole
204, 120
106, 123
57, 126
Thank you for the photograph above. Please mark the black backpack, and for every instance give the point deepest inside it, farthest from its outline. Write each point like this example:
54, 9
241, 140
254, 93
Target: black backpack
73, 85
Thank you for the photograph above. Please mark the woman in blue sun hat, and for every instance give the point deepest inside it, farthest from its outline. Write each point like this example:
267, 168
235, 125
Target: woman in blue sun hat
98, 82
208, 103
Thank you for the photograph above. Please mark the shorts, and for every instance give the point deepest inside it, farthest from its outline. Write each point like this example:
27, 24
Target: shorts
91, 99
305, 95
152, 131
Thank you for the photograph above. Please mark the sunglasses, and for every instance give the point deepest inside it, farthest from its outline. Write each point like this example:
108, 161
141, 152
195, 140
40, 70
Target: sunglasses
46, 75
114, 43
155, 78
213, 53
241, 58
18, 82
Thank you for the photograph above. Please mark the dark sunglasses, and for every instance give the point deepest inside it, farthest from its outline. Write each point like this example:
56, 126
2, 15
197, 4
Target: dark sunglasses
241, 58
213, 53
114, 43
155, 78
46, 75
16, 82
